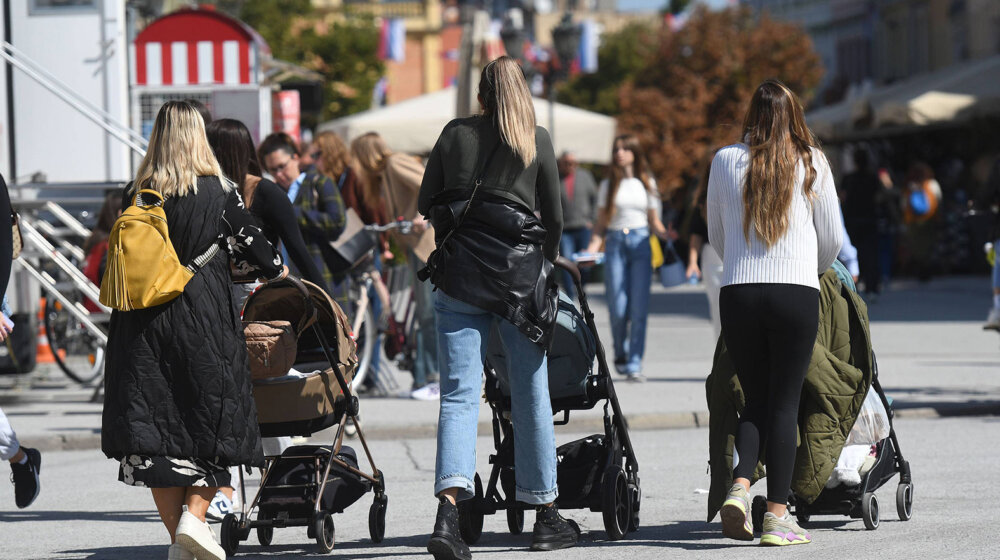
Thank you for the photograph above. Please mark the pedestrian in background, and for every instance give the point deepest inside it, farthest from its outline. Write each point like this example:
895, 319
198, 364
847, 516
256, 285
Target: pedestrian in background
25, 462
178, 407
397, 177
993, 184
579, 204
489, 272
266, 201
703, 260
319, 208
628, 213
96, 245
774, 217
862, 208
920, 204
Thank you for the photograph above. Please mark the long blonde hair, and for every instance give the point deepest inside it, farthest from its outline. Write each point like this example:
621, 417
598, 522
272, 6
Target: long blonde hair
775, 131
372, 154
178, 153
507, 101
333, 153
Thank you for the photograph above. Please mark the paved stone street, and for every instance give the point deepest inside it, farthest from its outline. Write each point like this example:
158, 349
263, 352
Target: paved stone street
937, 364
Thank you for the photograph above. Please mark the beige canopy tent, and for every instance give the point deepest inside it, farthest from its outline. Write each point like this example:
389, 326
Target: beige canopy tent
954, 94
414, 125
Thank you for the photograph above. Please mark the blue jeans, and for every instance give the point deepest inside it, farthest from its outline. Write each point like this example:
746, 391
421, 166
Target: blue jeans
996, 265
463, 332
573, 241
628, 274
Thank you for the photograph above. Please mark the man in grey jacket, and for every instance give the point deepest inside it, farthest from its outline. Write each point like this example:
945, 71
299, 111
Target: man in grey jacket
579, 203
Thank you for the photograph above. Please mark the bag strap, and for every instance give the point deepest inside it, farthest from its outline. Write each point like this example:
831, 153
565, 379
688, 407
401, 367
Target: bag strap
475, 189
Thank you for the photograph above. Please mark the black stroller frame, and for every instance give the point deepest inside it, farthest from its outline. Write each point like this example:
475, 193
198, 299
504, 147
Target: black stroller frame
859, 502
320, 526
618, 494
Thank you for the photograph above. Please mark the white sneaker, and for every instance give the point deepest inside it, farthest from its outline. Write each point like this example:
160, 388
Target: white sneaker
429, 392
178, 552
195, 536
220, 507
993, 320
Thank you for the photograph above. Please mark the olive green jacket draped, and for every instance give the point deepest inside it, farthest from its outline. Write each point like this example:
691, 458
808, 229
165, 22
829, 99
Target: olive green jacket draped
838, 379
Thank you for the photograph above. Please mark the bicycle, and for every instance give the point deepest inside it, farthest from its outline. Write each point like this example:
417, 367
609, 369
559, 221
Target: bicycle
396, 320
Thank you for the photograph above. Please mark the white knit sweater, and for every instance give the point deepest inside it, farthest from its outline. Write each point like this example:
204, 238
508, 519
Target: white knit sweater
807, 249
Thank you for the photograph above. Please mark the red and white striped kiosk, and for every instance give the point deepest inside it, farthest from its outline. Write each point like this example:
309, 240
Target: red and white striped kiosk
199, 53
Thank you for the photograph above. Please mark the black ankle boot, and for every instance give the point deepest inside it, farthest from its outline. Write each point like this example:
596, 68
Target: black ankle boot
552, 531
446, 543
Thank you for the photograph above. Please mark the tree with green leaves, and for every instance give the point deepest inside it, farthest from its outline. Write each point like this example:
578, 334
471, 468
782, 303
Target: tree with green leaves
342, 48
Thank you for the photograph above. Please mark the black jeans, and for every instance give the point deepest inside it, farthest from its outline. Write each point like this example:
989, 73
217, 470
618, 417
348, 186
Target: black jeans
770, 330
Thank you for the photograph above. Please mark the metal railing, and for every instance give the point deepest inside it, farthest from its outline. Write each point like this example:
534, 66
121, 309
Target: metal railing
60, 89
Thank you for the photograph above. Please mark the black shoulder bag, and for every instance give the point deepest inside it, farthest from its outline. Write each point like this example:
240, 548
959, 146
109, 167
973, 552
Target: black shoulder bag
433, 259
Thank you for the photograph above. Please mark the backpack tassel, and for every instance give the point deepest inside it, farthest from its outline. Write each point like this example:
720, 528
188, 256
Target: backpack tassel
116, 277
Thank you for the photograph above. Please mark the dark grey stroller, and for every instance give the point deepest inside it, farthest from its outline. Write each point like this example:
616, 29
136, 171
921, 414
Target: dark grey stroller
599, 472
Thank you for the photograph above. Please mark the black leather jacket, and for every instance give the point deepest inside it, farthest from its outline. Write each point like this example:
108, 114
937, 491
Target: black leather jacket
494, 260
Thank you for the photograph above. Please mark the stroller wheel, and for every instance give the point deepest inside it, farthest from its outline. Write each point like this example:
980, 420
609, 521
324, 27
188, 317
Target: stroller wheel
616, 503
757, 511
636, 492
869, 511
470, 515
230, 537
904, 501
376, 518
264, 534
802, 518
515, 519
324, 530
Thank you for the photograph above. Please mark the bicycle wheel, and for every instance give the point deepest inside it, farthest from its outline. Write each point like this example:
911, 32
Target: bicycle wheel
76, 350
366, 338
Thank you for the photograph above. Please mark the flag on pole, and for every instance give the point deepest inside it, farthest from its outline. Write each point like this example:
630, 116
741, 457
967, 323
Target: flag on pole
590, 40
392, 43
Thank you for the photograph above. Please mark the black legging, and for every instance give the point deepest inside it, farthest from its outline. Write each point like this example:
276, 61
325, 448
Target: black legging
769, 331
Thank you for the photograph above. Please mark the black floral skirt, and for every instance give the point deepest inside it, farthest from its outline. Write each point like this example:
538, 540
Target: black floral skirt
172, 472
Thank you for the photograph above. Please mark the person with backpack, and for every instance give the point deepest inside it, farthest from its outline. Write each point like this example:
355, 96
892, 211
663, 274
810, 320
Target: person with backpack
493, 270
921, 198
178, 406
774, 218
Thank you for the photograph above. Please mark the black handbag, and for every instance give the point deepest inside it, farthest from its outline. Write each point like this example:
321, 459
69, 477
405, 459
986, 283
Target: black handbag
354, 246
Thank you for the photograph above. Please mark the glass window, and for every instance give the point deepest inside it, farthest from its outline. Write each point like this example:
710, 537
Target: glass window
41, 7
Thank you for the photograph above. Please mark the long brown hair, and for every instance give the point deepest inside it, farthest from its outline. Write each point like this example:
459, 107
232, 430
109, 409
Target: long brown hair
372, 154
640, 169
333, 153
507, 102
775, 131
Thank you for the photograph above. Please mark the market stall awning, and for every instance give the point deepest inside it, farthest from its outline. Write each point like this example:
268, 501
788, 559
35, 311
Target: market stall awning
957, 93
414, 125
951, 95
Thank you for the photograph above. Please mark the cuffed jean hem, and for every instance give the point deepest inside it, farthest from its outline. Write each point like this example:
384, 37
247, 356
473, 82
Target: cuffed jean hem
535, 498
466, 488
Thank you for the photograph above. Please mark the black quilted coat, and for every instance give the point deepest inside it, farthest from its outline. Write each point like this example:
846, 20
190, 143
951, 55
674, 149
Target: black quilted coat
177, 380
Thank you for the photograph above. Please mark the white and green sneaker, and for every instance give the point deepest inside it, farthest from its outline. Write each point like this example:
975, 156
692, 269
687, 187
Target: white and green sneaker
735, 513
782, 531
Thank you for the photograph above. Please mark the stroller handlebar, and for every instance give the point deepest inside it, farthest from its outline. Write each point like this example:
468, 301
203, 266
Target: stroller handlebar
569, 266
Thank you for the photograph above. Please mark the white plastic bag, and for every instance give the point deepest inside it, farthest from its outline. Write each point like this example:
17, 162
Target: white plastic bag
872, 425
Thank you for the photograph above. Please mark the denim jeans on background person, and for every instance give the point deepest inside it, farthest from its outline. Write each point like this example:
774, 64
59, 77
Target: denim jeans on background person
628, 276
463, 332
996, 265
425, 361
573, 241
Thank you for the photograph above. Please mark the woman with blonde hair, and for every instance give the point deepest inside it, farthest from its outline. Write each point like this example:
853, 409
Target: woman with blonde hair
491, 270
178, 408
628, 213
395, 179
774, 218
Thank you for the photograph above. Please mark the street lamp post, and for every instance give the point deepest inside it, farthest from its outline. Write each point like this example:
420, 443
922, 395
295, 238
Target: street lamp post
566, 41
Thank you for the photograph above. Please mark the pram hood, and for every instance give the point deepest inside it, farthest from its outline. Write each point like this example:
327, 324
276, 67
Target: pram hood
301, 405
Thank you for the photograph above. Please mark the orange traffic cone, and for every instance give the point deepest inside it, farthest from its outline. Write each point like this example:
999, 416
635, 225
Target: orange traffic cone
43, 351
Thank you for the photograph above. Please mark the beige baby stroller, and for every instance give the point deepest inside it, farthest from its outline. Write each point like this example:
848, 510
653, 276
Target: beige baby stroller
302, 360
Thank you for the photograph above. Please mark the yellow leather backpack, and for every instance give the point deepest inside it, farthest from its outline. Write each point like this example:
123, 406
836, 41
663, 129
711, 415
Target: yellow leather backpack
143, 269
